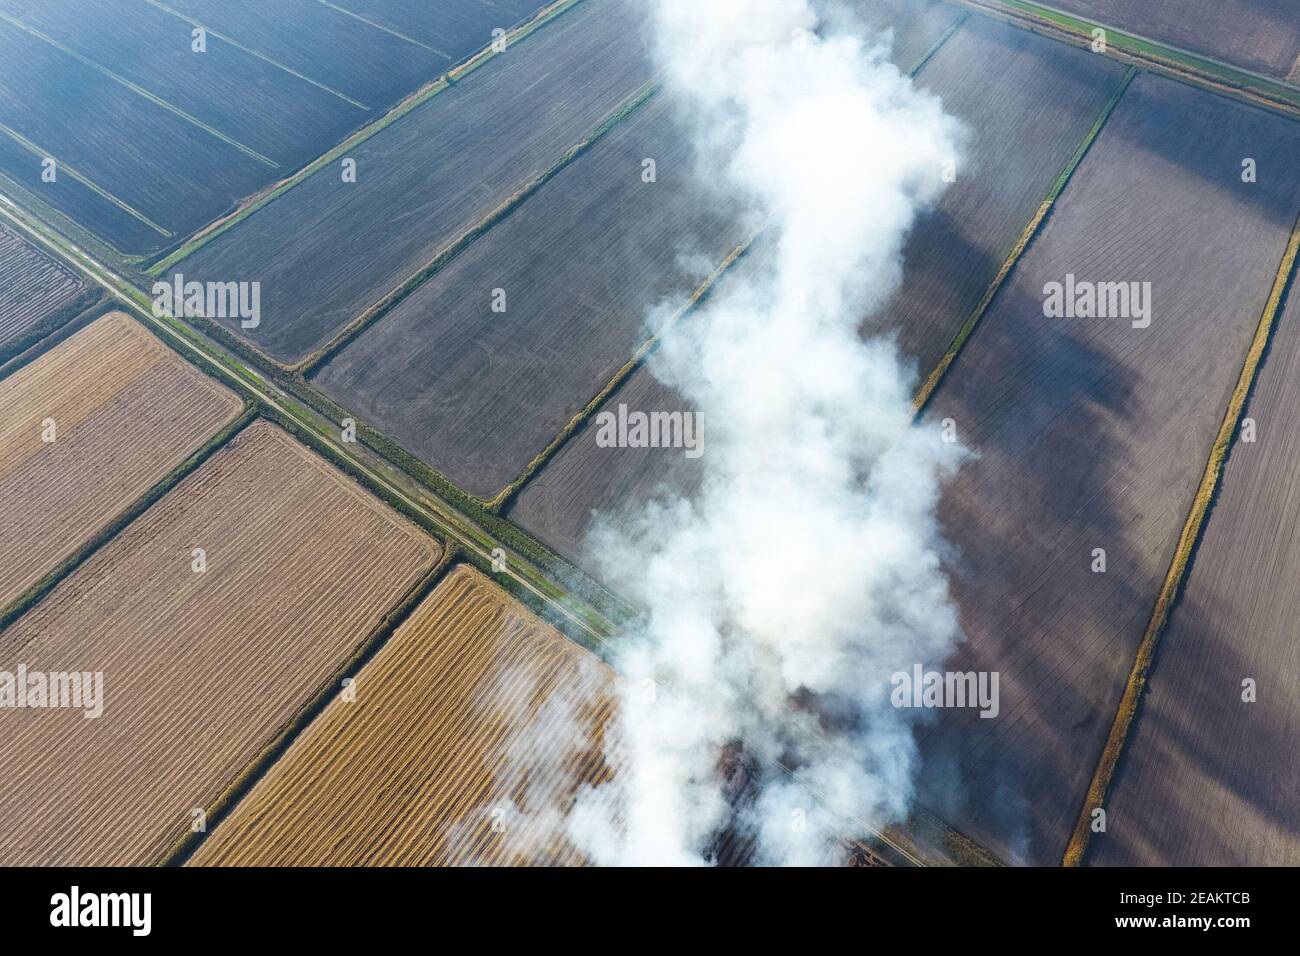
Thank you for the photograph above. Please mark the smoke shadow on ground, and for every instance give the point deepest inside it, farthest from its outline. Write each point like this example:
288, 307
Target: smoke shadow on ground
1051, 414
1205, 778
1095, 435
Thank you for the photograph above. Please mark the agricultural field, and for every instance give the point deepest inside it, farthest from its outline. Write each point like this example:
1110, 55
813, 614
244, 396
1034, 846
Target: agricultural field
121, 410
1209, 779
584, 479
33, 287
153, 165
253, 102
328, 250
96, 210
916, 25
265, 539
381, 66
1260, 35
1011, 88
454, 29
598, 256
156, 139
1029, 103
474, 713
1093, 433
202, 672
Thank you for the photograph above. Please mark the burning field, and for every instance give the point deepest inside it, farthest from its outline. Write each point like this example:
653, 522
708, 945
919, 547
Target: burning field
467, 739
648, 432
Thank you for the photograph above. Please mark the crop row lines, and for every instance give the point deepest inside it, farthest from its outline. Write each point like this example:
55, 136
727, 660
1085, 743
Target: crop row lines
931, 383
185, 847
33, 595
431, 89
307, 366
1191, 68
446, 521
498, 501
1184, 554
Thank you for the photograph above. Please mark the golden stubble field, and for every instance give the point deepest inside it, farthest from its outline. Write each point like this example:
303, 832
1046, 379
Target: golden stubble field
471, 730
203, 671
85, 430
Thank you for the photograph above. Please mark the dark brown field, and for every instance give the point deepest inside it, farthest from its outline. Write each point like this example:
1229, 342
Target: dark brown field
585, 479
590, 266
1208, 779
32, 286
1028, 103
327, 250
1093, 434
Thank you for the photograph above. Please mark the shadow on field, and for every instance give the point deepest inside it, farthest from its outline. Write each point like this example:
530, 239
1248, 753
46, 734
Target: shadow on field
1207, 779
1209, 136
1049, 414
919, 315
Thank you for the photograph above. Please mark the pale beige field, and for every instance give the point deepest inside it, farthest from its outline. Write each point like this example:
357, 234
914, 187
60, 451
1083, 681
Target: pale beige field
126, 410
202, 671
474, 713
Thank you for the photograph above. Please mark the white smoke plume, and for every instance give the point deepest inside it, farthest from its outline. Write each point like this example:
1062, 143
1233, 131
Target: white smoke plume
783, 595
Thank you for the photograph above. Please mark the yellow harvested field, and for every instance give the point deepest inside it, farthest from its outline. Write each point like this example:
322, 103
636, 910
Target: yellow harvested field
122, 411
471, 730
203, 670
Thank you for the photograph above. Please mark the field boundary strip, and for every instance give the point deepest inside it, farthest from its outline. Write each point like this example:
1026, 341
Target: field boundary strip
142, 92
273, 191
231, 41
1193, 68
1099, 787
570, 611
34, 594
88, 305
497, 502
262, 762
312, 363
936, 376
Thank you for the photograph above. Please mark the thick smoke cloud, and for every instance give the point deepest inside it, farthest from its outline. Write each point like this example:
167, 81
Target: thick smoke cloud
782, 596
